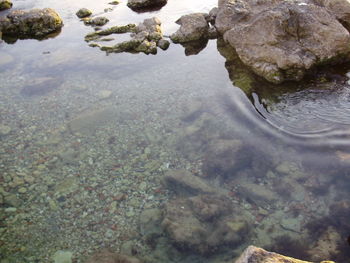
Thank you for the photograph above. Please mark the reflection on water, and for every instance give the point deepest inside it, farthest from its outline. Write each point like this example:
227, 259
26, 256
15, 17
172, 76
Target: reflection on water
162, 157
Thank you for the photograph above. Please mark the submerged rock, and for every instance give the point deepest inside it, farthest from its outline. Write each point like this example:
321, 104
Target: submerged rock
105, 256
203, 224
5, 4
141, 4
83, 12
183, 182
281, 40
254, 254
32, 23
193, 27
224, 156
40, 86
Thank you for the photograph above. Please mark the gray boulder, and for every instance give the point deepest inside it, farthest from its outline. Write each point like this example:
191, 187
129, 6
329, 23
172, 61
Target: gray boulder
5, 4
141, 4
281, 40
193, 27
32, 23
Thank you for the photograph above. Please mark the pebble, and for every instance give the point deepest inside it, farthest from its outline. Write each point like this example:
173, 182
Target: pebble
62, 256
10, 210
4, 130
22, 190
105, 94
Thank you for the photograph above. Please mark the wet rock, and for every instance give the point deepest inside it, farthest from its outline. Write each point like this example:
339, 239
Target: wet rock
306, 35
224, 157
112, 30
258, 255
97, 21
62, 257
40, 86
32, 23
200, 224
105, 256
142, 4
83, 12
5, 4
184, 182
163, 44
145, 37
193, 27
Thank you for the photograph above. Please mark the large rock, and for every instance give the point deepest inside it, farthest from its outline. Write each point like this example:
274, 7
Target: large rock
32, 23
5, 4
141, 4
193, 27
258, 255
279, 39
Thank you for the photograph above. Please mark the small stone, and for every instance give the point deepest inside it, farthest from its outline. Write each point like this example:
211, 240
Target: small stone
114, 3
83, 12
29, 179
97, 21
105, 94
163, 44
10, 210
143, 186
62, 257
4, 130
22, 190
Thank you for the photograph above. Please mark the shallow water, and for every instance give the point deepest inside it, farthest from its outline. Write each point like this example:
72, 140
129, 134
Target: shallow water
86, 140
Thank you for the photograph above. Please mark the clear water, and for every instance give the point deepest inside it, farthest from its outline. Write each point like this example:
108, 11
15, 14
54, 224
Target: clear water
86, 140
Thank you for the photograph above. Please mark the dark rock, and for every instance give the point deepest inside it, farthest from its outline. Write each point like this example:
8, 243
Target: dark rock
83, 12
258, 255
306, 35
212, 15
185, 183
5, 4
32, 23
141, 4
105, 256
201, 224
163, 44
193, 27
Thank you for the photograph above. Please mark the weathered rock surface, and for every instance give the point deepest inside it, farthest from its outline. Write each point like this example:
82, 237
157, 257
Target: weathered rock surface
144, 38
32, 23
105, 256
5, 4
203, 223
97, 21
141, 4
258, 255
281, 40
193, 27
83, 12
